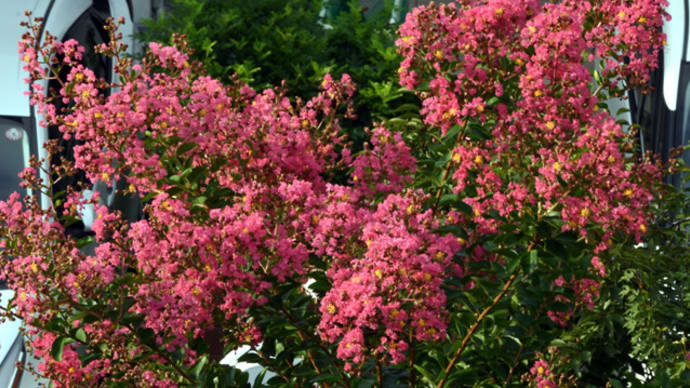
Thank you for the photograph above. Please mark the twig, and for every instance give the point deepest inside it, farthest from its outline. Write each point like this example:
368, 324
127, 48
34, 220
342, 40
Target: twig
601, 86
522, 347
269, 362
304, 334
474, 326
413, 375
379, 374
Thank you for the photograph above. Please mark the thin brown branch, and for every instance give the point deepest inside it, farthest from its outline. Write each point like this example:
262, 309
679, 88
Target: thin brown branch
475, 326
522, 346
413, 375
305, 334
270, 363
379, 374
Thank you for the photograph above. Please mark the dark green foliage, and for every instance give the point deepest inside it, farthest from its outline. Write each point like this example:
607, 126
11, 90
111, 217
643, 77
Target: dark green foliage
264, 42
270, 41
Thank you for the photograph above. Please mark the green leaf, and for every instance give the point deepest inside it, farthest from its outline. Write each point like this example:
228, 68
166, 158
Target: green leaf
199, 366
80, 335
59, 347
615, 383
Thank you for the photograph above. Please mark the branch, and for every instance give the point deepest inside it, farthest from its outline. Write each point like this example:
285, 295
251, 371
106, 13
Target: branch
306, 334
379, 374
474, 326
522, 346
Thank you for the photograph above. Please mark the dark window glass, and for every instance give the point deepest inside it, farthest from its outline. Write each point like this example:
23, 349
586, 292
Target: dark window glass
14, 157
88, 31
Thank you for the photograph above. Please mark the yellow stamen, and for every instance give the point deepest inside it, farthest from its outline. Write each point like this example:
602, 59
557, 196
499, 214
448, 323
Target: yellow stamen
585, 212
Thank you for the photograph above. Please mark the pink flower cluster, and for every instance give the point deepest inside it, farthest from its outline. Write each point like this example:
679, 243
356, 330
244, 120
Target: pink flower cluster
238, 194
238, 198
510, 77
393, 291
542, 375
586, 291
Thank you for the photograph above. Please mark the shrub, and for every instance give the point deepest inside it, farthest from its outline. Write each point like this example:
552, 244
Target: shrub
492, 253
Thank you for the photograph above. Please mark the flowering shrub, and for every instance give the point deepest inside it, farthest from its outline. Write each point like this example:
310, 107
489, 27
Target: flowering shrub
448, 265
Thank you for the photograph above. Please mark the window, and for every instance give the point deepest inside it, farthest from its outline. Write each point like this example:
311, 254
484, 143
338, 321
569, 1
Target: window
88, 30
14, 156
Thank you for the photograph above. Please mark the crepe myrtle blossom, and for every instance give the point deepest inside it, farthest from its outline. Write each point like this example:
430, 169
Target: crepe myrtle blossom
542, 375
